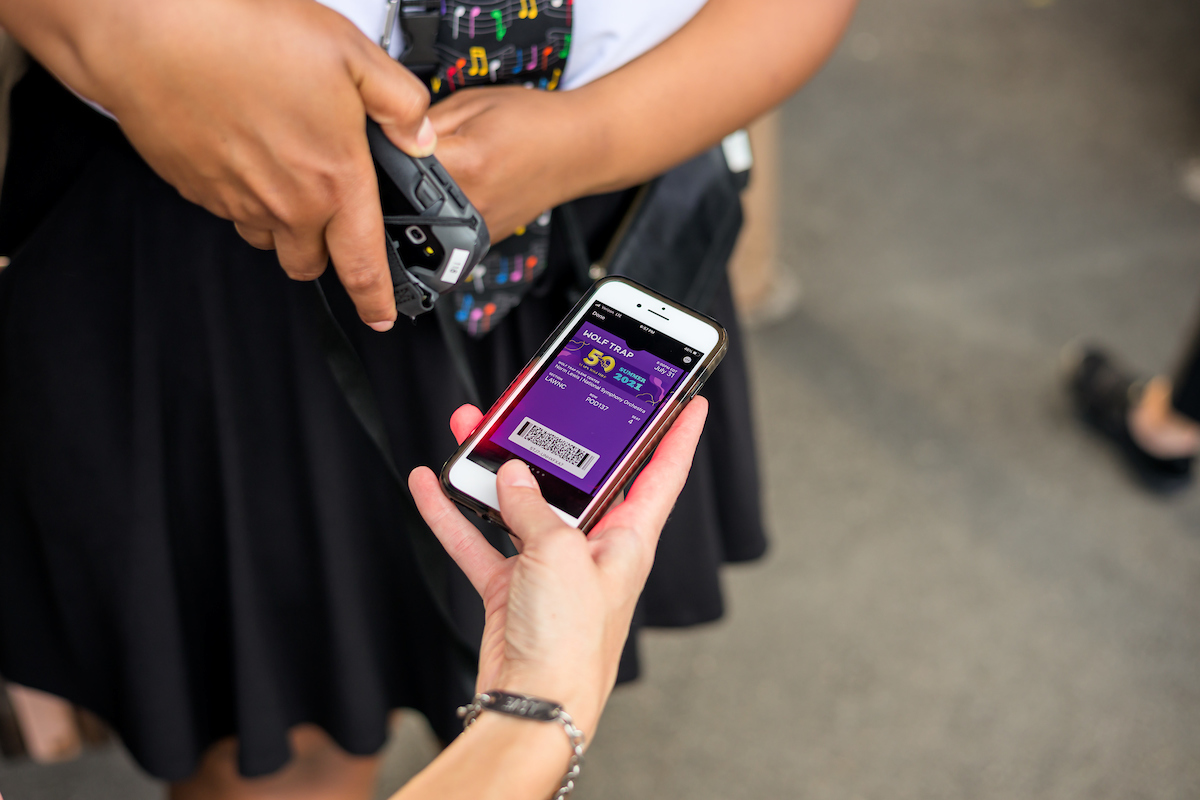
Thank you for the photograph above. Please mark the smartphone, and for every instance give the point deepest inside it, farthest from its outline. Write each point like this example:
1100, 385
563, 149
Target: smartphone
587, 412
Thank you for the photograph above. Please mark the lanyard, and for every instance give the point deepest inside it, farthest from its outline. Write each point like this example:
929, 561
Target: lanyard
419, 21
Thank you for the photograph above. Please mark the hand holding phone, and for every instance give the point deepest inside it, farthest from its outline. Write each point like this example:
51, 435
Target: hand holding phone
591, 406
558, 613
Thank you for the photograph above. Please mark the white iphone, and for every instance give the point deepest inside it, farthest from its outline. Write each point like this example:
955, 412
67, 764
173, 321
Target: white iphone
586, 413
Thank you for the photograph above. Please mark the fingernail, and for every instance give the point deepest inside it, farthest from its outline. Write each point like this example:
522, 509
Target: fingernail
519, 475
426, 137
384, 326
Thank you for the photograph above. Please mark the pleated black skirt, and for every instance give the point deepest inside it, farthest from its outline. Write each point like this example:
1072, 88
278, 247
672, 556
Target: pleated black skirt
197, 539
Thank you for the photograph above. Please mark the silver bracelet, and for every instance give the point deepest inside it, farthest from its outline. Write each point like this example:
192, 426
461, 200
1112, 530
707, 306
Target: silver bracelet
525, 707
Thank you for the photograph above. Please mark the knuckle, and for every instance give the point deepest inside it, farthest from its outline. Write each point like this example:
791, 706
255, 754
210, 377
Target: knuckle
259, 239
301, 273
351, 180
249, 210
299, 199
283, 210
359, 280
413, 104
305, 213
301, 269
298, 220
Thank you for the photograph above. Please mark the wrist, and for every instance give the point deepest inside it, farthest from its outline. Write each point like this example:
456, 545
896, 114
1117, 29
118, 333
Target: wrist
532, 709
522, 734
593, 133
82, 44
499, 757
581, 696
541, 750
49, 31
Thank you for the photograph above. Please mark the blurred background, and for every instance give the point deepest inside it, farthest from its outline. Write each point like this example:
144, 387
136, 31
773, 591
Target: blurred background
966, 597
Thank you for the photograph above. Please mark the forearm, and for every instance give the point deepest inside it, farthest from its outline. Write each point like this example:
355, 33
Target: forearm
726, 67
253, 109
55, 32
499, 758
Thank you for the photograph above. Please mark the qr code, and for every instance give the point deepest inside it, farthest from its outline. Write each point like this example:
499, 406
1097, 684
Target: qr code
554, 447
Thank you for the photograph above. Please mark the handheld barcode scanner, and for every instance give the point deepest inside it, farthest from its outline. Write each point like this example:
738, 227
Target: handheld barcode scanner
435, 237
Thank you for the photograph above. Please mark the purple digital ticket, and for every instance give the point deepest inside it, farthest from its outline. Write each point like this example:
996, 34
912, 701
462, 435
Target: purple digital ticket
590, 402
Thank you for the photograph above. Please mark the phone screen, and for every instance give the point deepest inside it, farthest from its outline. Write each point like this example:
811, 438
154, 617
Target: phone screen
581, 413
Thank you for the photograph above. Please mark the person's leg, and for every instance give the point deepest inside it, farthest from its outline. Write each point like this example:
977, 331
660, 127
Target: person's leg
1156, 424
1164, 419
319, 770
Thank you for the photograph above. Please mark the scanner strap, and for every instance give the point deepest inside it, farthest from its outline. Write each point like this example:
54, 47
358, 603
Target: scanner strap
351, 377
413, 297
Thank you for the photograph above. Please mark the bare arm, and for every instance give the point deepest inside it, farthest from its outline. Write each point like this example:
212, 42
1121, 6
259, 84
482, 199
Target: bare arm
254, 109
680, 98
660, 109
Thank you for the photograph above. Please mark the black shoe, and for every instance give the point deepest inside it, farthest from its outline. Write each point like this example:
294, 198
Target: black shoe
1102, 395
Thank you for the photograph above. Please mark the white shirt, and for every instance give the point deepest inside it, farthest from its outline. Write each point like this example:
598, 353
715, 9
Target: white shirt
605, 34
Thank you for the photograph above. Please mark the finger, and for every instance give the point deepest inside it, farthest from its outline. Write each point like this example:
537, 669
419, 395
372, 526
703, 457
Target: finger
355, 240
398, 101
302, 253
462, 540
464, 421
261, 238
521, 503
623, 545
652, 496
450, 114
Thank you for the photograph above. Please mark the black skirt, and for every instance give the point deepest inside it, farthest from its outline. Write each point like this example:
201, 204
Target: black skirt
197, 539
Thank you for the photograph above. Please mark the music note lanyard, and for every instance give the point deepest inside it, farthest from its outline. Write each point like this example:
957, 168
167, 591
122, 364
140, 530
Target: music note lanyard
455, 45
498, 41
434, 236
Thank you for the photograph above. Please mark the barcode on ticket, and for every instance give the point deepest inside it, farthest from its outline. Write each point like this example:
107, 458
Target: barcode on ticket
554, 447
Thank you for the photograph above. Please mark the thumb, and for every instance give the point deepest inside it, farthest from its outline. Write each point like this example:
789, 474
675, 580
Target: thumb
397, 100
527, 514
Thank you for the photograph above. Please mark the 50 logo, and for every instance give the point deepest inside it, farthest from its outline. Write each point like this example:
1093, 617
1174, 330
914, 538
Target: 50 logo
607, 363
